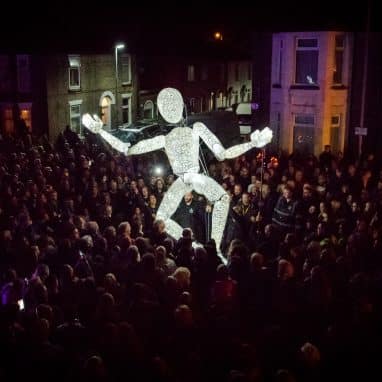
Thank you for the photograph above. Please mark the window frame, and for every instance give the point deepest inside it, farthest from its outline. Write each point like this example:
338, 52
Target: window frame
341, 49
128, 96
306, 49
72, 103
191, 73
74, 64
125, 57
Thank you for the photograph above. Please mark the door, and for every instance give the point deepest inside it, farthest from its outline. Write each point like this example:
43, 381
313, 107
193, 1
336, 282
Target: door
303, 139
106, 112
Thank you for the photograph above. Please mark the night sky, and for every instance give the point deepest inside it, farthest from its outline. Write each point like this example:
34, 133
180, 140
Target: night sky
62, 27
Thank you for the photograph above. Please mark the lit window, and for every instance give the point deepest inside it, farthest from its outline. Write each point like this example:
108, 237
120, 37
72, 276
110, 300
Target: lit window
26, 114
126, 69
306, 61
105, 111
126, 109
338, 60
8, 122
75, 116
191, 73
303, 133
74, 73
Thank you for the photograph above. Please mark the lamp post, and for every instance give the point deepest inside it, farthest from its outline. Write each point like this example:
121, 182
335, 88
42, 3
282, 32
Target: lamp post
116, 48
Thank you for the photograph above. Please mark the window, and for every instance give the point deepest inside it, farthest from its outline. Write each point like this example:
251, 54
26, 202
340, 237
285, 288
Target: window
303, 133
192, 105
75, 116
126, 69
279, 61
126, 108
338, 60
335, 133
243, 92
236, 72
148, 110
306, 61
23, 73
74, 73
249, 71
190, 73
106, 111
26, 114
204, 74
5, 73
7, 117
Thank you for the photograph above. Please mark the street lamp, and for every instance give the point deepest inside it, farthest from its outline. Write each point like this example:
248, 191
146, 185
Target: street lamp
116, 48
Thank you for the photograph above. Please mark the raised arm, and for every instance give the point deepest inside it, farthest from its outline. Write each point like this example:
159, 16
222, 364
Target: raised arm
258, 139
94, 124
210, 139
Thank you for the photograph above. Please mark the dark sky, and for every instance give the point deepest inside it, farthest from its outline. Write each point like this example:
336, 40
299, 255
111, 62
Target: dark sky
64, 26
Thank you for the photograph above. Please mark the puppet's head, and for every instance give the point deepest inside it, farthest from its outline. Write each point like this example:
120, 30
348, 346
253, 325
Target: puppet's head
170, 105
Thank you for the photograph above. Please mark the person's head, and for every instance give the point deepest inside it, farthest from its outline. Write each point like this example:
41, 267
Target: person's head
183, 277
160, 254
257, 261
237, 189
159, 184
152, 200
187, 233
124, 229
268, 229
285, 270
287, 193
145, 191
245, 199
244, 172
188, 197
307, 191
159, 226
327, 148
298, 176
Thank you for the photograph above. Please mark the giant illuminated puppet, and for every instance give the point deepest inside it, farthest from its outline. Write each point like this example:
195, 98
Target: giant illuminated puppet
181, 145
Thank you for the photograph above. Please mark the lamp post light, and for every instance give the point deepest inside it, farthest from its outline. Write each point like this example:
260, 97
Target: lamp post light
116, 48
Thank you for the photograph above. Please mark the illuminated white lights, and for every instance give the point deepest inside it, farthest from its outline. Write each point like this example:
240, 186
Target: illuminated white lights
158, 170
170, 105
182, 148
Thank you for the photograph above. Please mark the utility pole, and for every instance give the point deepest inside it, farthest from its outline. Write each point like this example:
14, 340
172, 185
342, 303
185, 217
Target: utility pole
116, 48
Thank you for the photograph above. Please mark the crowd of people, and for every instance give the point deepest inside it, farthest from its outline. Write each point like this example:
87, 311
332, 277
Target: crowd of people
94, 289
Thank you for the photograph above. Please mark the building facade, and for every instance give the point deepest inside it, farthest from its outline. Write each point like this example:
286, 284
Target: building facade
310, 85
22, 94
78, 84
